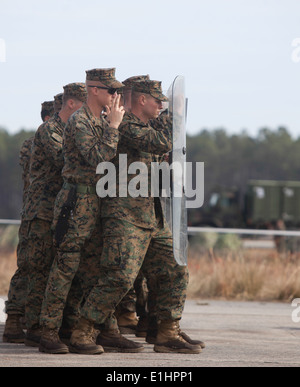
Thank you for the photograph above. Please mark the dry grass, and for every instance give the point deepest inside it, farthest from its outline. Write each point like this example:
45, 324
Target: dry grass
8, 266
245, 275
8, 258
257, 275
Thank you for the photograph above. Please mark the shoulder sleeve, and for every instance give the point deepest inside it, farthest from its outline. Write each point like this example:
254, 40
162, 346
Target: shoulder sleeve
96, 143
145, 138
52, 143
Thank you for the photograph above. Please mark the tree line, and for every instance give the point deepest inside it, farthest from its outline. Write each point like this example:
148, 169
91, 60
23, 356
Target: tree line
230, 161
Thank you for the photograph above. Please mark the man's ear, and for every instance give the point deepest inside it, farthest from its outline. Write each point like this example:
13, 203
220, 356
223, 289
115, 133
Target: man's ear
71, 103
142, 99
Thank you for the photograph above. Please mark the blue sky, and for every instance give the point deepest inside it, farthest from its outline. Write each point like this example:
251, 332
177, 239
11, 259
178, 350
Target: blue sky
236, 55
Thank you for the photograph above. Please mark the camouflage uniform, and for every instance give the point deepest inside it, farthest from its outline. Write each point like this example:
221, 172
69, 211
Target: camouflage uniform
135, 300
140, 299
18, 285
134, 227
88, 141
45, 182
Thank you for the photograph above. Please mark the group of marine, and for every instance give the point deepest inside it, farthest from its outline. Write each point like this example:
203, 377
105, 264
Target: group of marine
91, 269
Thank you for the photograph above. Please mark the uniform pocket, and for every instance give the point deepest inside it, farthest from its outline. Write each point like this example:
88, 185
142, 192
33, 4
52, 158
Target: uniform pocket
112, 252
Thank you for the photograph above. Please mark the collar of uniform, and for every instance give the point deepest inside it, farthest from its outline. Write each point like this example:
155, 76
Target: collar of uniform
54, 121
130, 117
91, 117
57, 118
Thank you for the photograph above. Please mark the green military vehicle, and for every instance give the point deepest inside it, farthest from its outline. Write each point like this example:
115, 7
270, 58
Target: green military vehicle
265, 204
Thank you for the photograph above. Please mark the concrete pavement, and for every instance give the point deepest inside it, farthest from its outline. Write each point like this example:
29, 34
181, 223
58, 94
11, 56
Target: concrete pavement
237, 334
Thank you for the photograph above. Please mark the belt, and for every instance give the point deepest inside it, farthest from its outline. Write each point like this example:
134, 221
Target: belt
80, 188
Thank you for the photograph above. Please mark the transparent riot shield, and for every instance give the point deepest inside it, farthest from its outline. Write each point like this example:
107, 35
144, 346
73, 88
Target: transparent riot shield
175, 206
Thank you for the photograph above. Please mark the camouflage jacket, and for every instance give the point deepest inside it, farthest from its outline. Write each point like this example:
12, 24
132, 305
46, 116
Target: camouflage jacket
88, 141
45, 170
24, 158
140, 142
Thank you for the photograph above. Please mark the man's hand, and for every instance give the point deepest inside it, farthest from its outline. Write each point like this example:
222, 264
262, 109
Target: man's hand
115, 113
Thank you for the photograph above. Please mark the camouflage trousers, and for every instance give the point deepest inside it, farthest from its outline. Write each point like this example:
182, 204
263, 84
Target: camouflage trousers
15, 303
136, 299
78, 255
39, 257
127, 249
40, 253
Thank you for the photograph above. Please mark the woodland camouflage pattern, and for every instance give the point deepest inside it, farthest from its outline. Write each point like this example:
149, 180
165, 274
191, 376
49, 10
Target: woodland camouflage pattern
18, 284
140, 142
58, 100
135, 236
124, 250
42, 161
136, 78
150, 87
48, 106
25, 154
83, 231
75, 90
105, 76
39, 257
45, 170
45, 182
87, 142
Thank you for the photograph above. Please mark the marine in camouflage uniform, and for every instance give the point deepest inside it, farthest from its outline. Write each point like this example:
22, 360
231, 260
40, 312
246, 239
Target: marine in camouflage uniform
45, 182
139, 299
137, 236
135, 302
15, 305
89, 139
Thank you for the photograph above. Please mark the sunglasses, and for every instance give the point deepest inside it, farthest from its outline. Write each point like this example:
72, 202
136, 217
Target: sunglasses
110, 90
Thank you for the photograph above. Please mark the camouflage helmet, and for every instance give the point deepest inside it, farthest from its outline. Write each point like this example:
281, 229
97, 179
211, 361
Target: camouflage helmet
105, 76
76, 90
150, 87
